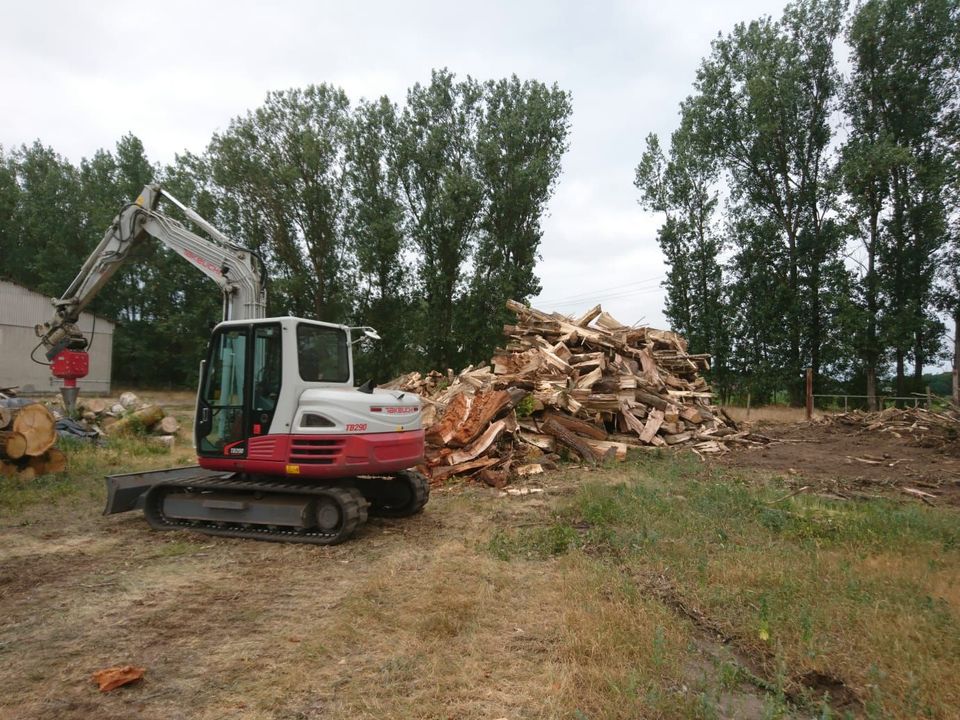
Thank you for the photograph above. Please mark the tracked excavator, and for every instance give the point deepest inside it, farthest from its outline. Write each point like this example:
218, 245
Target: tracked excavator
288, 448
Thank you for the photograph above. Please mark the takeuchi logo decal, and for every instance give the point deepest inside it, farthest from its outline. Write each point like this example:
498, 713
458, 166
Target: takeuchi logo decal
202, 262
395, 409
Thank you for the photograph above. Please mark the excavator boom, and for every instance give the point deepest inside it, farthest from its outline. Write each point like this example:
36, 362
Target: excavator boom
236, 269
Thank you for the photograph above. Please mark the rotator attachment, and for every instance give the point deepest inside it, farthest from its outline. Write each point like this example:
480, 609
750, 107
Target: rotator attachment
70, 366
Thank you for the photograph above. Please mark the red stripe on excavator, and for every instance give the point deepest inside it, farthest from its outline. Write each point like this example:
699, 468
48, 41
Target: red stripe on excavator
325, 456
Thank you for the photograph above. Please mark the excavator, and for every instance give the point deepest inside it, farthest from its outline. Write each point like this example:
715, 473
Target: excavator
288, 448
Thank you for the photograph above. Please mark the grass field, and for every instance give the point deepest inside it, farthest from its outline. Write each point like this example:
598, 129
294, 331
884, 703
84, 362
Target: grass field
662, 588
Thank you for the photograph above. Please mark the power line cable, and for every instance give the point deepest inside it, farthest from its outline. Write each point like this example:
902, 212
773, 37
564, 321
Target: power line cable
584, 296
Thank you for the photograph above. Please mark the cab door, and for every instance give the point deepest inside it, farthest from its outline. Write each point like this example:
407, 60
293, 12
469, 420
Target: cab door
222, 409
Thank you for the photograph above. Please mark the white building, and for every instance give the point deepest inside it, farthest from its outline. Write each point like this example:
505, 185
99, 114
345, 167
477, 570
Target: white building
20, 310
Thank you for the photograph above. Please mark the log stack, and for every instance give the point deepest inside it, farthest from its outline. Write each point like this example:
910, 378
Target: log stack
28, 437
129, 415
586, 387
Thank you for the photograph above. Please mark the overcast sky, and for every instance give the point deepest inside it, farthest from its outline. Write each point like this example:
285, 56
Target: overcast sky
78, 75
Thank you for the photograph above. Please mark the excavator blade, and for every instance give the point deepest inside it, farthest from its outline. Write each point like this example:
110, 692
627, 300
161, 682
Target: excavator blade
126, 492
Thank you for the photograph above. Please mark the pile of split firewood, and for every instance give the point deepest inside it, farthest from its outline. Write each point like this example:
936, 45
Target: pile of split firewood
584, 386
28, 438
927, 427
128, 414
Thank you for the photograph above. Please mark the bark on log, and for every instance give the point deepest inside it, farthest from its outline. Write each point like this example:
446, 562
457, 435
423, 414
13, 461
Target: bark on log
579, 426
442, 473
38, 426
652, 400
144, 418
574, 442
52, 461
56, 460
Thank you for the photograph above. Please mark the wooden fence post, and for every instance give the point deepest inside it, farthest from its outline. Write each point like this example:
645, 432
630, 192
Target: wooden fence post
809, 393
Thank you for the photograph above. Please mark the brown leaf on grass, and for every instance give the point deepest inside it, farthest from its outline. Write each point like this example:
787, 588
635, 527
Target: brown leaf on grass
111, 678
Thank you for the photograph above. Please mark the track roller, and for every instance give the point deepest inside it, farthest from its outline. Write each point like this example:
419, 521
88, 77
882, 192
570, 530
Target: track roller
262, 511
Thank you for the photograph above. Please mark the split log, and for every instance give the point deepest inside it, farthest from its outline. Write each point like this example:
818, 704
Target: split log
144, 418
485, 408
544, 442
442, 473
579, 426
456, 413
654, 421
479, 446
38, 426
13, 445
572, 441
602, 447
632, 422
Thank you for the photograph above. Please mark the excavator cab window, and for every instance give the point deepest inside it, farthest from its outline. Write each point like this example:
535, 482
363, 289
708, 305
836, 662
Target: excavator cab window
221, 421
322, 354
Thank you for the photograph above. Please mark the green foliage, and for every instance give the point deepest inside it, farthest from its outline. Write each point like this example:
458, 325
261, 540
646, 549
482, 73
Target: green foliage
281, 174
526, 406
759, 126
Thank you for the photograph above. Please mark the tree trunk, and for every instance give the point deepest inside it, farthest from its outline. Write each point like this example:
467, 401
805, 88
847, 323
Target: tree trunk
871, 388
872, 351
956, 356
901, 377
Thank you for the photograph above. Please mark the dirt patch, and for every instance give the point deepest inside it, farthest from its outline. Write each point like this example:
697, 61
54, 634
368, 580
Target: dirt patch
841, 461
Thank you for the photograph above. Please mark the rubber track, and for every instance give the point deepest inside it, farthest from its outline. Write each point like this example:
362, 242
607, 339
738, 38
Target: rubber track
421, 494
353, 508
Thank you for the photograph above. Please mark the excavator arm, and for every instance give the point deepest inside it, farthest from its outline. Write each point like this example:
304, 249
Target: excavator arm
237, 270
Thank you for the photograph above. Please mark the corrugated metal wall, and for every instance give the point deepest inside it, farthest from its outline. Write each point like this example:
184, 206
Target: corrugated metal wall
20, 310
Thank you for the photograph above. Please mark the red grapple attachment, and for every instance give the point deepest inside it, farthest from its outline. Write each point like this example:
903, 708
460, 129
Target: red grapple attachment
70, 366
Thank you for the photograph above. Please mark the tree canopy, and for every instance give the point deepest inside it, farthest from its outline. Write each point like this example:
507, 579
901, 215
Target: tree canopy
419, 219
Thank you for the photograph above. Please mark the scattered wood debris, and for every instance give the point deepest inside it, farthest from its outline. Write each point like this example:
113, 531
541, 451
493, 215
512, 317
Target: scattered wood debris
111, 678
929, 428
587, 387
